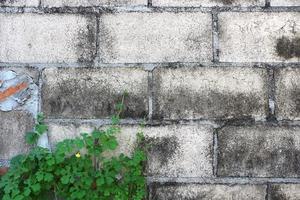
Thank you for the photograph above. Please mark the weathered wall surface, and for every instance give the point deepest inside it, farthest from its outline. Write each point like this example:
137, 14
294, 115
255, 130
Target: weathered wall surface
218, 82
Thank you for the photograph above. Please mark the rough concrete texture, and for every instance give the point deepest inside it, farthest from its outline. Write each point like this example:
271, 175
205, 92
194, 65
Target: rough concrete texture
88, 3
175, 150
13, 126
180, 151
18, 91
259, 37
94, 93
285, 3
155, 37
259, 151
48, 38
207, 3
285, 192
20, 3
60, 131
288, 93
210, 92
208, 192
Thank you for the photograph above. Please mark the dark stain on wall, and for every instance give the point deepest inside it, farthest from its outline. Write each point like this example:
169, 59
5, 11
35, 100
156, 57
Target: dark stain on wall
161, 150
2, 2
288, 48
86, 46
276, 194
77, 98
210, 104
240, 156
295, 97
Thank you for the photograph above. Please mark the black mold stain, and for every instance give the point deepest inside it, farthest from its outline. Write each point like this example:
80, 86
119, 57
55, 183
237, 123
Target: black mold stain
86, 46
162, 149
211, 104
2, 2
276, 194
288, 48
179, 191
244, 157
107, 43
227, 2
295, 97
75, 98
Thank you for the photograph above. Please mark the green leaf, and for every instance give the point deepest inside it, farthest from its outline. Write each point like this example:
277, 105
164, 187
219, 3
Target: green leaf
65, 180
36, 187
40, 128
31, 138
40, 118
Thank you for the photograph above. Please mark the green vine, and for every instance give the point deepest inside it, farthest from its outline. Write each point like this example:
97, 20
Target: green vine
77, 168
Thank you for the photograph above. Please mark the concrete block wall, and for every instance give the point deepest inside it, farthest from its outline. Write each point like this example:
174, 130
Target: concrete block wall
217, 82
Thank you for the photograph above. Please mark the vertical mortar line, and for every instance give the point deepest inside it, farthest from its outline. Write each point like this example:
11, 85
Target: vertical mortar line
271, 94
267, 192
149, 3
44, 139
215, 35
267, 3
150, 95
40, 4
40, 90
97, 56
215, 152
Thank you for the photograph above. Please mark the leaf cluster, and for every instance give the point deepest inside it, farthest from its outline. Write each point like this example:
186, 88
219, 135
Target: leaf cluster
77, 168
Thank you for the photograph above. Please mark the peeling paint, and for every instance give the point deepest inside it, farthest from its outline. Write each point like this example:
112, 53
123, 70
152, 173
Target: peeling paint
17, 91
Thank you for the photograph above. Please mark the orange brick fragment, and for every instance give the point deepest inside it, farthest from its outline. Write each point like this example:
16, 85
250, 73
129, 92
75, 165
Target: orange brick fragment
12, 90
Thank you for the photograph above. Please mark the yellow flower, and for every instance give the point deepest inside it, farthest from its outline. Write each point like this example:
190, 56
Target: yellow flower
78, 155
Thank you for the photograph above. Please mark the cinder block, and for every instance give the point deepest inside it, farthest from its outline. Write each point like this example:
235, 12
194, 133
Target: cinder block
285, 3
207, 192
285, 191
47, 38
13, 127
155, 37
288, 93
94, 92
207, 3
259, 36
259, 151
89, 3
20, 3
210, 92
175, 150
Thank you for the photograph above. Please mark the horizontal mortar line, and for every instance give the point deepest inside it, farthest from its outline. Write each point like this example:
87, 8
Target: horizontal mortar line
225, 180
150, 66
109, 9
95, 121
213, 122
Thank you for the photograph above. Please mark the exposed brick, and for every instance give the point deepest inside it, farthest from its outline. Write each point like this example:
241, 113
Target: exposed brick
155, 37
175, 150
284, 192
285, 3
47, 38
13, 126
210, 92
208, 192
19, 89
94, 92
88, 3
288, 93
20, 3
259, 151
259, 37
207, 3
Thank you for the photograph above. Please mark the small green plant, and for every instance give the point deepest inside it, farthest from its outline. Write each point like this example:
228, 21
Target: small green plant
77, 168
